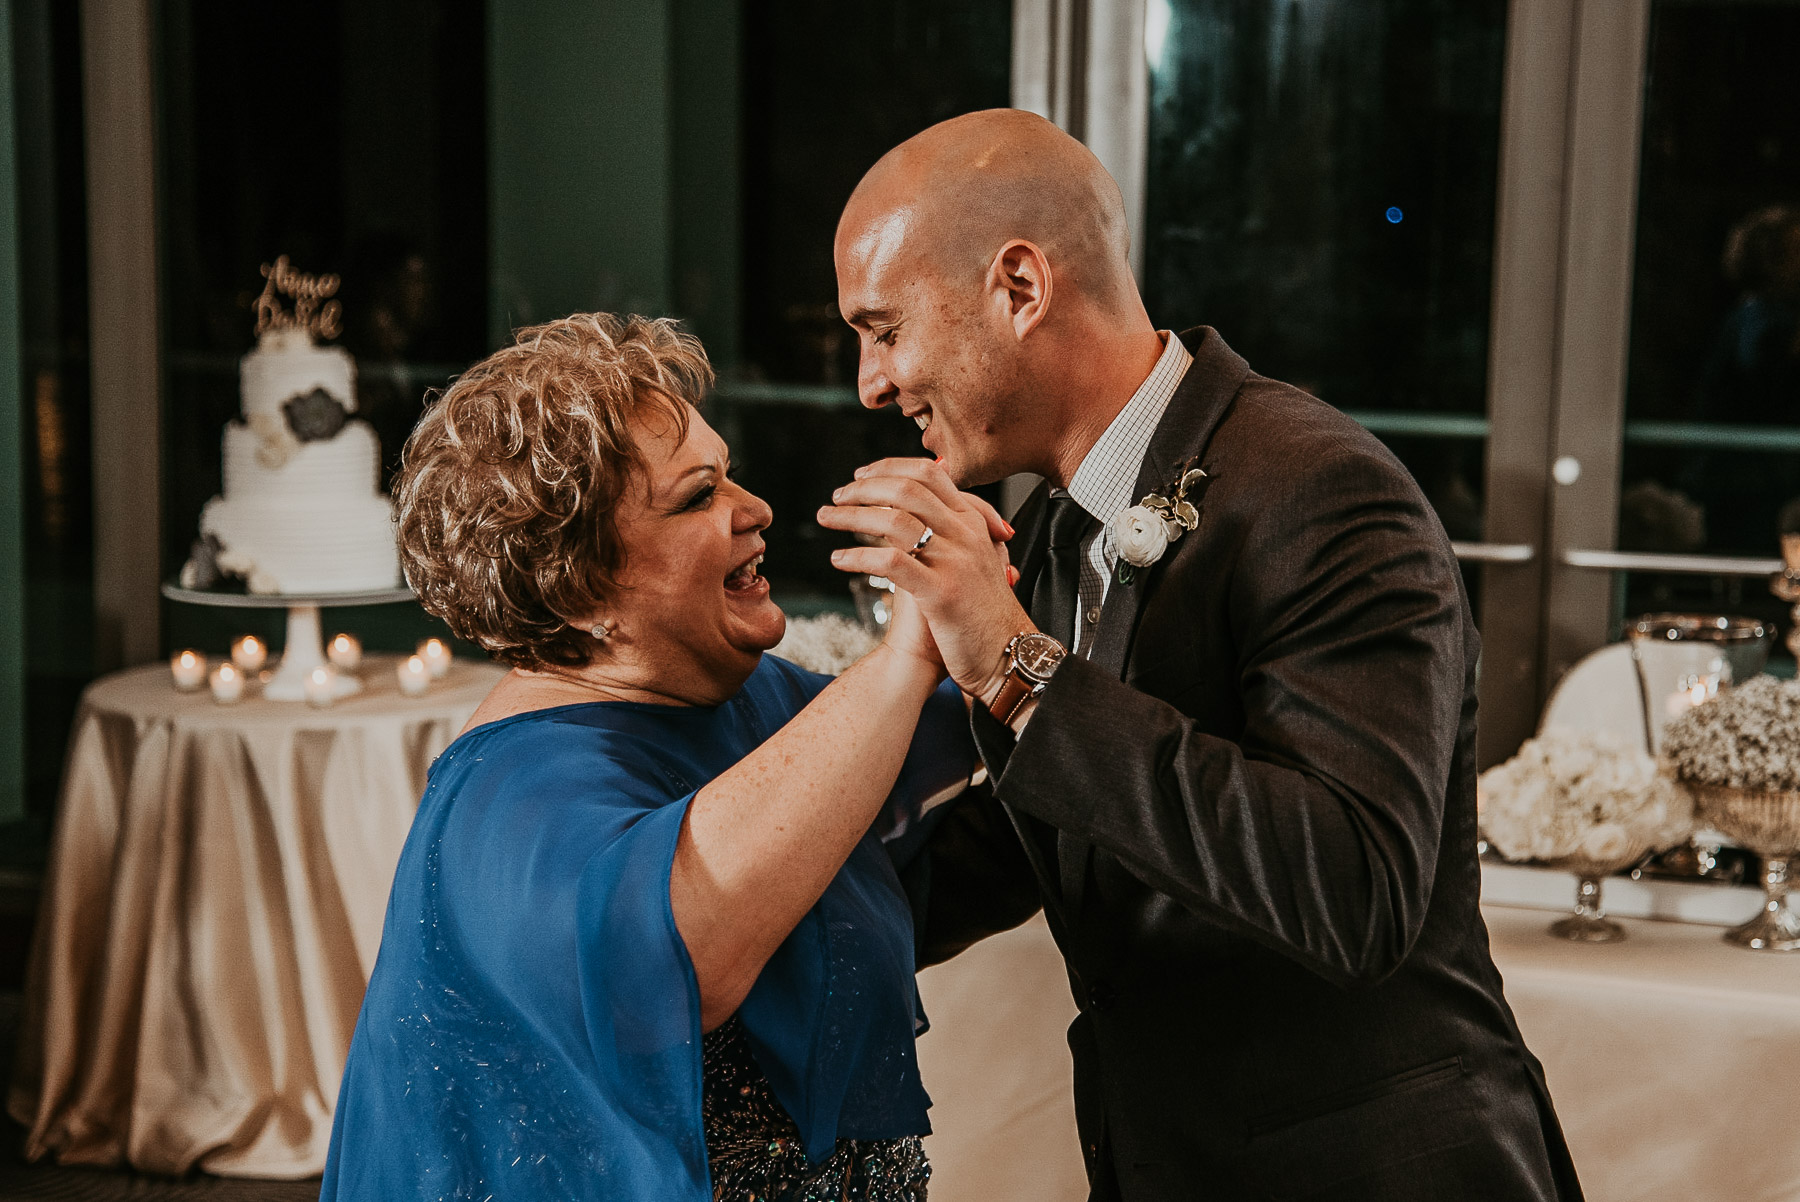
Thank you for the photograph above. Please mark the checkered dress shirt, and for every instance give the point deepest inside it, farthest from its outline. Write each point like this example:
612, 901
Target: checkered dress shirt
1103, 483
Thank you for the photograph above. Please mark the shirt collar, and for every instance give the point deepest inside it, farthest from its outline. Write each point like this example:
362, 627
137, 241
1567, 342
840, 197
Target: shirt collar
1102, 484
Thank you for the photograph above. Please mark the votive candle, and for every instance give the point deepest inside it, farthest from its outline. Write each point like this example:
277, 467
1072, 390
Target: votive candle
413, 675
436, 655
320, 686
345, 652
189, 669
249, 653
227, 684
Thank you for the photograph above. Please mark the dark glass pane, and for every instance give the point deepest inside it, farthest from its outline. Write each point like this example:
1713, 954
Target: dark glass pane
1321, 189
828, 89
350, 137
53, 310
1712, 432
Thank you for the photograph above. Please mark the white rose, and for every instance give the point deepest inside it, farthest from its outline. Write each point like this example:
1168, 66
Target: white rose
1605, 843
1140, 536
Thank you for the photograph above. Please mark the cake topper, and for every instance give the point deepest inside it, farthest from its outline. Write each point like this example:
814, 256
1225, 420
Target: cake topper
314, 311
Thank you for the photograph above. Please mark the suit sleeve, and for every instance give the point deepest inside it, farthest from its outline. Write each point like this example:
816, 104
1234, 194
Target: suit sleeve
971, 881
1317, 833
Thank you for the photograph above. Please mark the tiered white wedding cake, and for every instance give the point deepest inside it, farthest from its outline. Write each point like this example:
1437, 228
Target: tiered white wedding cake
301, 511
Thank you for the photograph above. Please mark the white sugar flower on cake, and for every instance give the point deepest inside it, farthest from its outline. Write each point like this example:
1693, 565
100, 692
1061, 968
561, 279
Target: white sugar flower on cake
1568, 794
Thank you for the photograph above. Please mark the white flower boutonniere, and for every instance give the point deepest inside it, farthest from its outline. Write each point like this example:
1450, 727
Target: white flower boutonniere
1143, 532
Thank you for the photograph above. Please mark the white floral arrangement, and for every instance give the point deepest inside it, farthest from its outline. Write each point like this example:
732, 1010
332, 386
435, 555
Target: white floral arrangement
826, 644
1747, 737
1586, 795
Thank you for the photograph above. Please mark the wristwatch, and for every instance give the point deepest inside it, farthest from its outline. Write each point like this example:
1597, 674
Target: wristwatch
1032, 658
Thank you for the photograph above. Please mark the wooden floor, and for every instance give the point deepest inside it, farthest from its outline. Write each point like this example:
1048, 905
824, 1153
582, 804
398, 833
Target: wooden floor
21, 1181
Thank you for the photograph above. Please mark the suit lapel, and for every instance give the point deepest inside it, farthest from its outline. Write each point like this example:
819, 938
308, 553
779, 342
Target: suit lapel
1187, 425
1195, 411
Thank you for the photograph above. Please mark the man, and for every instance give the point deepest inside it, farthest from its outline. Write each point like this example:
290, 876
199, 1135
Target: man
1245, 796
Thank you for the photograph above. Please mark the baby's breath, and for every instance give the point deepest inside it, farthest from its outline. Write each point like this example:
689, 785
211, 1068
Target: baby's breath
1747, 737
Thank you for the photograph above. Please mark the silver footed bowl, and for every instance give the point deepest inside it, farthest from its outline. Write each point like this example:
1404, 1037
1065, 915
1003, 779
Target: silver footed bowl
1767, 821
1589, 923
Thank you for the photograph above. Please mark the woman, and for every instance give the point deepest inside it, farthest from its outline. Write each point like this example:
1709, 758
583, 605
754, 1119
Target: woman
649, 830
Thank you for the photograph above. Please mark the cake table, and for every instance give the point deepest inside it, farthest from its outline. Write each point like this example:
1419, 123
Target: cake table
304, 648
211, 911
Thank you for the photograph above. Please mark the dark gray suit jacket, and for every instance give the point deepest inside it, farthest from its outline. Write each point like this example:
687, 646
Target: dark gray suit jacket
1250, 817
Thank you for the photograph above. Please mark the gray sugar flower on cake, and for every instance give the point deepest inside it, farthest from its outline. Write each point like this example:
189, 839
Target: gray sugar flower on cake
1747, 737
314, 417
202, 571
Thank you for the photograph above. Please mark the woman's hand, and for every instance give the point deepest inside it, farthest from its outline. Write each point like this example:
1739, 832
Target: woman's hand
909, 634
960, 578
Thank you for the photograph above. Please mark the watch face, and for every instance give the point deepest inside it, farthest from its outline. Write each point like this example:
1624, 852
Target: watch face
1038, 655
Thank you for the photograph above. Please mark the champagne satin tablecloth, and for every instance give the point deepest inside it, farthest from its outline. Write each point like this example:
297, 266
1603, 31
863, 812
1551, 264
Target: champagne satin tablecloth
1672, 1058
211, 914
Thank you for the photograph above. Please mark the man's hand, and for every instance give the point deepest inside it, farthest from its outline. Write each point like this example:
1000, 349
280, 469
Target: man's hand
960, 579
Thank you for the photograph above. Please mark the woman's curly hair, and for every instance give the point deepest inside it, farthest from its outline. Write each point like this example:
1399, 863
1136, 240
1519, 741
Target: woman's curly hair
509, 484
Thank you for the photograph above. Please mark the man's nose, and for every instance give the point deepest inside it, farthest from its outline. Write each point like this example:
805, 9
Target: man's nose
873, 387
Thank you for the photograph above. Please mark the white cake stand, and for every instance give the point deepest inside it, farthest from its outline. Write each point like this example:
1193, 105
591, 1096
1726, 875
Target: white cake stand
304, 649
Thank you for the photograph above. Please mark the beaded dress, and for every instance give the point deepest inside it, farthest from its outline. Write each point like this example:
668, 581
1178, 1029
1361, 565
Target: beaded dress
754, 1148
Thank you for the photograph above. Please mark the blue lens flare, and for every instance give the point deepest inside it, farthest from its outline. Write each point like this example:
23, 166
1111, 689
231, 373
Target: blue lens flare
1394, 215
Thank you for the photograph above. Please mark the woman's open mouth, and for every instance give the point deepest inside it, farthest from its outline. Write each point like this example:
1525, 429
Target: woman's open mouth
745, 579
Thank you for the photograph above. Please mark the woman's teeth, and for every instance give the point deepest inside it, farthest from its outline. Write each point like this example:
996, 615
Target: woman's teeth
924, 420
745, 576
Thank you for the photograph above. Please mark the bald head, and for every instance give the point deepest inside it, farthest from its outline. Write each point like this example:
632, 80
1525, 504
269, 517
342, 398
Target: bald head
953, 195
984, 267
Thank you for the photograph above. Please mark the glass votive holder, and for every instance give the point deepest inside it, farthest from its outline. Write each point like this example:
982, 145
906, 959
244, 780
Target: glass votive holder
227, 684
320, 687
436, 654
1683, 660
249, 653
345, 652
414, 676
189, 670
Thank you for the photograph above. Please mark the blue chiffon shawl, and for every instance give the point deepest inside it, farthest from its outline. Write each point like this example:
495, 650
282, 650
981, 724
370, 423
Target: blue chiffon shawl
532, 1026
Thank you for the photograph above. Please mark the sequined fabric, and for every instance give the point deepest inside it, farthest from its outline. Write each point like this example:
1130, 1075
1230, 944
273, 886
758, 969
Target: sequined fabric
754, 1148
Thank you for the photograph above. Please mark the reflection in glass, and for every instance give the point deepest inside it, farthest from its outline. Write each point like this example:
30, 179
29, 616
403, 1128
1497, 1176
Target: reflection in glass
1321, 188
1712, 436
829, 87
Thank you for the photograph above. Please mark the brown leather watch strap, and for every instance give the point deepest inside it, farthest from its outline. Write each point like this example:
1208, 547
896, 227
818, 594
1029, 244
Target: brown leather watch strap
1014, 692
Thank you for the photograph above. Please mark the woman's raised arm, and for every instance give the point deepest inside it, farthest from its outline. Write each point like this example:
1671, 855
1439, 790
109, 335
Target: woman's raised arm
763, 840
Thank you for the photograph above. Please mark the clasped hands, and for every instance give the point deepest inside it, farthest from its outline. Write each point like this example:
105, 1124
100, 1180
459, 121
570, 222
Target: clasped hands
960, 581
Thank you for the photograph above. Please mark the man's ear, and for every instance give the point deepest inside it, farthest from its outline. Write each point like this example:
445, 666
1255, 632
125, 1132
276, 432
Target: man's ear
1019, 278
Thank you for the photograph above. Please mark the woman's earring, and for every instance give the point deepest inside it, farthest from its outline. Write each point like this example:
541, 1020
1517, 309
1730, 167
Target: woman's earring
601, 630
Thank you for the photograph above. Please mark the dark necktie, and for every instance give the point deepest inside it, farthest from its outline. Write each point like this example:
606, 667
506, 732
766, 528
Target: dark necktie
1058, 589
1053, 601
